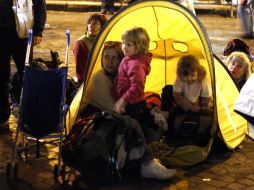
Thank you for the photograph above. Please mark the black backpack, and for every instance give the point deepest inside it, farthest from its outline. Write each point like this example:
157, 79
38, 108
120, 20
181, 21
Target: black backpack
191, 128
93, 145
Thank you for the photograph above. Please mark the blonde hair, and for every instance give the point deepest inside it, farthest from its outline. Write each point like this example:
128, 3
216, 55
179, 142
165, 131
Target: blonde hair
189, 64
245, 60
139, 37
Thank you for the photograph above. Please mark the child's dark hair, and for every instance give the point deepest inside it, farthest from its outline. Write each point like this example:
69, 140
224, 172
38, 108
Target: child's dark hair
96, 16
189, 64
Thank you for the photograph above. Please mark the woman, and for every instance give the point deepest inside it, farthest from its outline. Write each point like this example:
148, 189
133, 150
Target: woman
83, 44
98, 96
239, 66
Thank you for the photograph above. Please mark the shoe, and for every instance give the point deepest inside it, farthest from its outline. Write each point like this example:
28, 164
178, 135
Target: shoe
104, 11
154, 169
159, 119
4, 127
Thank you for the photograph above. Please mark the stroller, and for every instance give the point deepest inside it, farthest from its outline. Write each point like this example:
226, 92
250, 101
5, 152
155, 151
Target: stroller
42, 109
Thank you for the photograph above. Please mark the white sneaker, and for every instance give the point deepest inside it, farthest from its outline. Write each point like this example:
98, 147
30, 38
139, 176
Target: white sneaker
154, 169
159, 119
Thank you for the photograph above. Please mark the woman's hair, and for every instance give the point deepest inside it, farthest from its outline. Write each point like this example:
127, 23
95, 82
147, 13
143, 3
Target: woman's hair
96, 16
242, 58
139, 37
189, 64
236, 45
117, 46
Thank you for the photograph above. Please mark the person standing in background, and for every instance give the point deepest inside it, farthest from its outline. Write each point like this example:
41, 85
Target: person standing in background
250, 3
244, 12
84, 44
12, 46
107, 7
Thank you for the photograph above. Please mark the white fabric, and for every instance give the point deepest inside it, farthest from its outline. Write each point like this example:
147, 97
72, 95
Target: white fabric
99, 93
245, 101
193, 91
23, 11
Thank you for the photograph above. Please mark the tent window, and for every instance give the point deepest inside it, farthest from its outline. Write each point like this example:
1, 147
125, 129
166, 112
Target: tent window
153, 46
180, 46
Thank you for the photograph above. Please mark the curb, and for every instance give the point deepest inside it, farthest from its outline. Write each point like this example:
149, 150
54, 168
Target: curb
95, 6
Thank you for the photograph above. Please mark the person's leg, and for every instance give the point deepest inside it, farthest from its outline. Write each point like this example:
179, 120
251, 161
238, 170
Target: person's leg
132, 1
244, 14
18, 51
111, 6
104, 6
252, 17
190, 5
5, 56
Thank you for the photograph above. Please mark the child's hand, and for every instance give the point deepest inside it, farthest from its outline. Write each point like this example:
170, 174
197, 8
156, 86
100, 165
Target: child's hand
194, 108
119, 106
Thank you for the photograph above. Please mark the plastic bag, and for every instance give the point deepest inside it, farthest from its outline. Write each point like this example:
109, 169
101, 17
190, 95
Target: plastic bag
24, 19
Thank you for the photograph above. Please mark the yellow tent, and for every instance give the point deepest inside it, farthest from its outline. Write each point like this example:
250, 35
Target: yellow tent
174, 31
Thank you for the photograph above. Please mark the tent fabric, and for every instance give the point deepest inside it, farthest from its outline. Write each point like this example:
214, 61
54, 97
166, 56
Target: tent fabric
233, 127
174, 31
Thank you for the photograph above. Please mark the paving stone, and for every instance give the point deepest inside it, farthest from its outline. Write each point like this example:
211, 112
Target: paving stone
41, 185
251, 176
217, 183
236, 186
226, 178
248, 182
205, 186
250, 188
195, 179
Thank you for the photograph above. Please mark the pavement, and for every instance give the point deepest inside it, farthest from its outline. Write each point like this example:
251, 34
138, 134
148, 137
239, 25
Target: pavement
223, 170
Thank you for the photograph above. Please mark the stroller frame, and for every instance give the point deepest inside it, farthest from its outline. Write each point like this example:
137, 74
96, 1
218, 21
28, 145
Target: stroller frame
39, 122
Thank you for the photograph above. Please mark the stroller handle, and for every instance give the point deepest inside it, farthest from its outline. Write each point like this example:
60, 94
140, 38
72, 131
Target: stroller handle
68, 39
29, 44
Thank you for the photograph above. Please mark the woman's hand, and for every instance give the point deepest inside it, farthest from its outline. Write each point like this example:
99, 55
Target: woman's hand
37, 40
119, 106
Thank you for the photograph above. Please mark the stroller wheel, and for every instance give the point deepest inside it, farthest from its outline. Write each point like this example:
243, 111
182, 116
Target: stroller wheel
15, 171
63, 173
56, 170
21, 152
26, 153
8, 170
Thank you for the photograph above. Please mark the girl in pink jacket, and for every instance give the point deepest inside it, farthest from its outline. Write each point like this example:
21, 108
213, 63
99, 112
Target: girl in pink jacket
129, 83
129, 92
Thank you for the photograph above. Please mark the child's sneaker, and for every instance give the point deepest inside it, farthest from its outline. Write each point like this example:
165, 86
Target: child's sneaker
154, 169
159, 119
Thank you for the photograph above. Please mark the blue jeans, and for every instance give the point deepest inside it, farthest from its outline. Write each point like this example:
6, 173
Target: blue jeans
245, 15
107, 5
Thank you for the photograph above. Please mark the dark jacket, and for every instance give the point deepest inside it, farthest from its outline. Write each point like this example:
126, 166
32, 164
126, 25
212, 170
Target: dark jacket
7, 16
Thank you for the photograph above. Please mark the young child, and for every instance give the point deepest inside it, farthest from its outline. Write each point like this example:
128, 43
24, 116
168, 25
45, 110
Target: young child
130, 82
129, 92
191, 89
